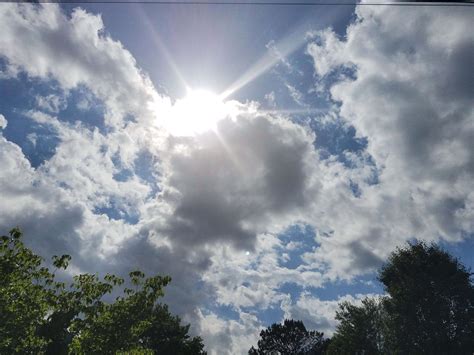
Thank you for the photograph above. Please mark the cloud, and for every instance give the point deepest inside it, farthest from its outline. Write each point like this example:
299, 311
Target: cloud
51, 103
3, 122
40, 210
316, 313
63, 204
74, 50
232, 184
409, 98
326, 51
224, 336
252, 280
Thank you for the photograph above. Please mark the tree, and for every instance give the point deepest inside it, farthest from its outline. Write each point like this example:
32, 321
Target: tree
133, 322
24, 298
166, 335
430, 307
39, 315
291, 337
361, 329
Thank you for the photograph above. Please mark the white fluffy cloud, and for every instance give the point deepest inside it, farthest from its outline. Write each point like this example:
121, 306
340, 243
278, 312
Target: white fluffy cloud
74, 50
57, 203
39, 208
252, 279
316, 313
412, 99
3, 122
229, 337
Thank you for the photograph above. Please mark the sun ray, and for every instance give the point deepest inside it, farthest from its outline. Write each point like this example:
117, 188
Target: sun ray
285, 47
230, 153
161, 47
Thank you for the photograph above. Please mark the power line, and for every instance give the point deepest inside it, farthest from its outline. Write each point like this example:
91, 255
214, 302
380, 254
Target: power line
251, 3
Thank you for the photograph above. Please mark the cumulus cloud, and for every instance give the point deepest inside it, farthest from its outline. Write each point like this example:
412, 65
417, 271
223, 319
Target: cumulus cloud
51, 103
64, 199
232, 184
74, 50
40, 209
253, 279
316, 313
3, 122
224, 336
410, 99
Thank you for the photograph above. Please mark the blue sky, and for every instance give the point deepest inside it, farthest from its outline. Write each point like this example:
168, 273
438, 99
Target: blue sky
267, 158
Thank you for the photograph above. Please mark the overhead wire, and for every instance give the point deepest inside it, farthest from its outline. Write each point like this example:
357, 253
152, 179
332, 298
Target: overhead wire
252, 3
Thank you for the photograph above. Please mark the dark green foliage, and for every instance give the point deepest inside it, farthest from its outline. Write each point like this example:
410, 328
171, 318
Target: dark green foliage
291, 337
361, 329
39, 315
429, 308
431, 305
166, 336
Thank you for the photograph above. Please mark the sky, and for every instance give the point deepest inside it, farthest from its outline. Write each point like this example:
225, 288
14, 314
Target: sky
268, 159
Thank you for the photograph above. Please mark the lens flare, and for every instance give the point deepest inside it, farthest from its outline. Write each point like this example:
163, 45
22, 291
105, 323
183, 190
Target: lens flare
197, 112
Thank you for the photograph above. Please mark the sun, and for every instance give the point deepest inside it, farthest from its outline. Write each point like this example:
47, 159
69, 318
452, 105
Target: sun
198, 112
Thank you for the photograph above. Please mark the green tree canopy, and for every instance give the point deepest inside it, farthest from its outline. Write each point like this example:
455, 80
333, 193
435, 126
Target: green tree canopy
430, 307
361, 329
26, 297
291, 337
39, 315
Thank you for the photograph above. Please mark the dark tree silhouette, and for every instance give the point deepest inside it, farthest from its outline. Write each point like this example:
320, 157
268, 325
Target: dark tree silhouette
291, 337
430, 307
39, 315
361, 329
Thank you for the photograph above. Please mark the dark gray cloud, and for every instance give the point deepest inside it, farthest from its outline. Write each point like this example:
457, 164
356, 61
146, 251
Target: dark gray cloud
226, 185
185, 266
365, 259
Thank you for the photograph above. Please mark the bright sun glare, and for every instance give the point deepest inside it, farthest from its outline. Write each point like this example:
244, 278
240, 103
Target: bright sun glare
197, 112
